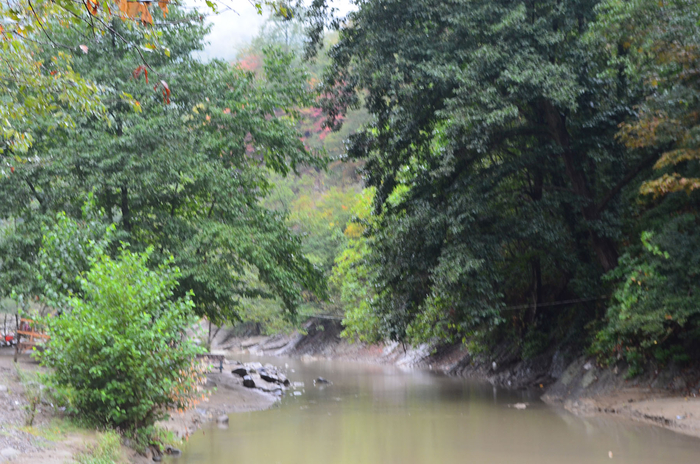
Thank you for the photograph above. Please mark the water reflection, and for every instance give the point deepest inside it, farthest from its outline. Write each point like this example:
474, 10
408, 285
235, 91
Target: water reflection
373, 415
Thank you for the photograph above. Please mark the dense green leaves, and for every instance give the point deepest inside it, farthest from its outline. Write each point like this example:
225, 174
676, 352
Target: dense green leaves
185, 177
502, 176
493, 122
119, 349
655, 307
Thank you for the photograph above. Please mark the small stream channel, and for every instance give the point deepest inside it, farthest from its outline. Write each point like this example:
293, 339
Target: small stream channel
384, 415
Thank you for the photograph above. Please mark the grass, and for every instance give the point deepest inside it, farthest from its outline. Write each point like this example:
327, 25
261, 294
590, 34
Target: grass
54, 431
107, 450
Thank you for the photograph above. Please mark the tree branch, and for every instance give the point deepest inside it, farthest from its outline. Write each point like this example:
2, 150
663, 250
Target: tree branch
625, 180
31, 7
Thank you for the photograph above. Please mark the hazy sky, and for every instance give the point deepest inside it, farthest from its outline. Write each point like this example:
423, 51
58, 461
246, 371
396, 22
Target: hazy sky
233, 29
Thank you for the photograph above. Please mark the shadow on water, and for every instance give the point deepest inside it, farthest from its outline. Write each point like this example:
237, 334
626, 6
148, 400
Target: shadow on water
376, 414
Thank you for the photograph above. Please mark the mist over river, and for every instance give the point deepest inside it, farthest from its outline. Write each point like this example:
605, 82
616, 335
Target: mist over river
384, 415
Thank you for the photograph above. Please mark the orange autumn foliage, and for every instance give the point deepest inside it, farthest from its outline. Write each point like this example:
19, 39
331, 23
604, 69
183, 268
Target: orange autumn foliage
659, 128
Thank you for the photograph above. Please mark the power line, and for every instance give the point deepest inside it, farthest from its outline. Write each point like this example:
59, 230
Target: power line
507, 308
554, 303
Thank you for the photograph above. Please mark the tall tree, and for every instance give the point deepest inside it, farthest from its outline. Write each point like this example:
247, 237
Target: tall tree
493, 152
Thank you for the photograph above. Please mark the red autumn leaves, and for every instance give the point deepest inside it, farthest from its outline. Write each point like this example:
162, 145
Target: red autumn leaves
143, 70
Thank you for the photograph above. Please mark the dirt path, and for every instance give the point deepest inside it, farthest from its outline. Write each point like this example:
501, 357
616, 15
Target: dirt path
16, 439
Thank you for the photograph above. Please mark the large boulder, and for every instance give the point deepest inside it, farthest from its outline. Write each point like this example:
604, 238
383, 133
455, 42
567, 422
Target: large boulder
241, 371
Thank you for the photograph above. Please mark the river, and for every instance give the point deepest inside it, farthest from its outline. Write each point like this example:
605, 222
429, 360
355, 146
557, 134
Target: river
385, 415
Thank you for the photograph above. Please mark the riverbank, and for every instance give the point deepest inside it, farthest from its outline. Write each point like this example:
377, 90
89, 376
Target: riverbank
48, 440
224, 393
667, 398
52, 440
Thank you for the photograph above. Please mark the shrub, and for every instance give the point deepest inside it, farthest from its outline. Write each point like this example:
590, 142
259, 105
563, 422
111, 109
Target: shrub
655, 313
120, 347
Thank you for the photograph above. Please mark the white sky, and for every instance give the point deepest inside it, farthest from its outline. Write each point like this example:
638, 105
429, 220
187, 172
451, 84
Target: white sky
232, 30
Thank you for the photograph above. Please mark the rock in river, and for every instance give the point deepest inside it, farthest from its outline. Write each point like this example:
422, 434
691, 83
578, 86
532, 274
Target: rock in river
222, 419
321, 380
248, 382
269, 377
242, 371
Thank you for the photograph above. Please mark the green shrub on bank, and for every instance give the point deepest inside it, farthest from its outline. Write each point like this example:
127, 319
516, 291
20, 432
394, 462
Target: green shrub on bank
120, 349
655, 312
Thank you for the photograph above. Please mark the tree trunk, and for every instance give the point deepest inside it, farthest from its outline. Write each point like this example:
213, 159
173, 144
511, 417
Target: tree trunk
125, 208
604, 248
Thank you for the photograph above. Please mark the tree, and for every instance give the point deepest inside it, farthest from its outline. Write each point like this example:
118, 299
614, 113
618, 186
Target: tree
119, 351
653, 313
48, 86
353, 280
663, 43
492, 148
184, 175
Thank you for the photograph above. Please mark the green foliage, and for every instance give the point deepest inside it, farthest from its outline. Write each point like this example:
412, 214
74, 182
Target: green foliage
68, 250
655, 312
185, 177
119, 349
48, 87
352, 278
32, 87
494, 150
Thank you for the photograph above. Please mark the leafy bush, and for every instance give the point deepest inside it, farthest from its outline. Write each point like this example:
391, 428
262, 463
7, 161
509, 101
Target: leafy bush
120, 348
655, 312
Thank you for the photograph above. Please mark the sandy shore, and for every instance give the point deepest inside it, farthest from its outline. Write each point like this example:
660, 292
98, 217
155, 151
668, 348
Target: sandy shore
677, 413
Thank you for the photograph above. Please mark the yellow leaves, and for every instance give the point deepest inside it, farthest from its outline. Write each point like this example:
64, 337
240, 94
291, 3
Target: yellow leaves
642, 132
163, 4
354, 230
669, 183
677, 156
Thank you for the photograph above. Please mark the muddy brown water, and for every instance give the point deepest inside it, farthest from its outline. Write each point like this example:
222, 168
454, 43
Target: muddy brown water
384, 415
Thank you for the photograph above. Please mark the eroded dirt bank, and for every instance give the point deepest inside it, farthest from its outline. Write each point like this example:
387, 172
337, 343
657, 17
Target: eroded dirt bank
666, 397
